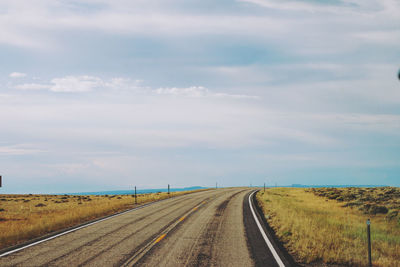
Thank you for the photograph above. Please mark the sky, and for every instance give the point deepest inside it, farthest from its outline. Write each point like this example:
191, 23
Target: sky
104, 95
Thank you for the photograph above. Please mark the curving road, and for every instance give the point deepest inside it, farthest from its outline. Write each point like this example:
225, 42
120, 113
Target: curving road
209, 228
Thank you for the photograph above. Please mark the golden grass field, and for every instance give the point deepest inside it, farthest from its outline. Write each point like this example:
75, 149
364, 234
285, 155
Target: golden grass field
328, 226
24, 217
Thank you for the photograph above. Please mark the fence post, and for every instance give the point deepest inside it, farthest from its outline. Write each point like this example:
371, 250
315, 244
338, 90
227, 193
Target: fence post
135, 196
369, 242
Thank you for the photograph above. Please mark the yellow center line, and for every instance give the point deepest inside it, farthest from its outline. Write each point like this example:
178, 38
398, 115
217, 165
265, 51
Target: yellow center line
160, 238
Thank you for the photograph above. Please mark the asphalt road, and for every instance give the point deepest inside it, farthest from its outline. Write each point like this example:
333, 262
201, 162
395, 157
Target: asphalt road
209, 228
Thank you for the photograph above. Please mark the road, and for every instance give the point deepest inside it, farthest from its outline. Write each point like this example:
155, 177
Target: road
209, 228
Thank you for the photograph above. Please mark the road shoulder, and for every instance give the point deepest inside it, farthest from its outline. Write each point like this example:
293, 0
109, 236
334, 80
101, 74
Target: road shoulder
256, 243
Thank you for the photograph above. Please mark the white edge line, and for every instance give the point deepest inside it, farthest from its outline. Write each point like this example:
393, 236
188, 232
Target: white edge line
276, 256
75, 229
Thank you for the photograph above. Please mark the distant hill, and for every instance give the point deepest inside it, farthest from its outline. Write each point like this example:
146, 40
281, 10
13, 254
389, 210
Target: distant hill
338, 186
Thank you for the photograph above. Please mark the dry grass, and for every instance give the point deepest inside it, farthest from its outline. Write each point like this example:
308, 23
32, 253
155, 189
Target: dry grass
24, 217
317, 229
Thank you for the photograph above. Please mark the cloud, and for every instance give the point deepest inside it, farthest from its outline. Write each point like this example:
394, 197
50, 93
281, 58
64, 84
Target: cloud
30, 28
32, 86
85, 83
154, 137
75, 84
68, 84
223, 86
17, 75
332, 28
235, 96
383, 37
193, 91
20, 149
121, 83
336, 7
200, 91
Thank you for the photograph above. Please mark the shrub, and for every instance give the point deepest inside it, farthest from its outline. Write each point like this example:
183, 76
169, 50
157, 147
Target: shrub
374, 209
353, 204
333, 196
378, 209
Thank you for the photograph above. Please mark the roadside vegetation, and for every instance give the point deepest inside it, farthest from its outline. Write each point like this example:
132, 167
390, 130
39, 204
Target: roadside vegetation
25, 217
328, 225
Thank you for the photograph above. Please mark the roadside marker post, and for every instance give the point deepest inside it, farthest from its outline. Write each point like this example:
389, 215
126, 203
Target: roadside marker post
135, 197
0, 180
264, 187
369, 242
168, 190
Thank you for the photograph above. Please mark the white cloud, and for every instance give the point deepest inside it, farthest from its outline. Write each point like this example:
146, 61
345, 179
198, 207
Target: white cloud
75, 84
17, 75
82, 83
200, 91
20, 149
235, 96
30, 28
387, 37
85, 83
32, 86
290, 5
303, 58
193, 91
340, 7
121, 83
330, 27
